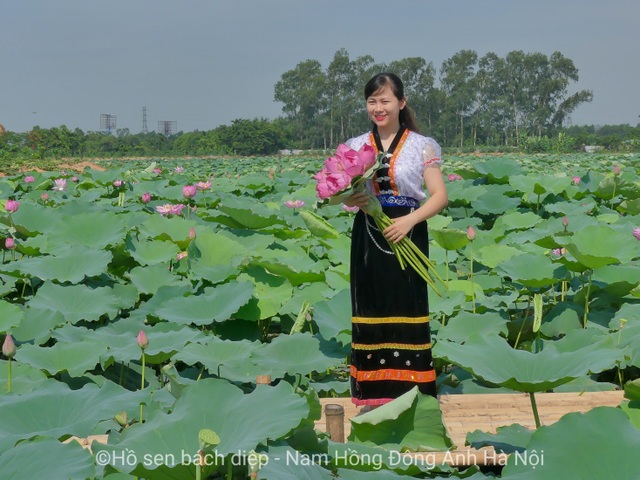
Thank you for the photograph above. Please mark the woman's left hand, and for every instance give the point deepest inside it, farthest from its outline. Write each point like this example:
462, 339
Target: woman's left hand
399, 229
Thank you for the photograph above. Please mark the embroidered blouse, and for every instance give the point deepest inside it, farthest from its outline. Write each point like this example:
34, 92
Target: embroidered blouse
406, 166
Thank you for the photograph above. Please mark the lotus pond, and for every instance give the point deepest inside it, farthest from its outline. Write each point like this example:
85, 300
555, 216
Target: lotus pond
232, 278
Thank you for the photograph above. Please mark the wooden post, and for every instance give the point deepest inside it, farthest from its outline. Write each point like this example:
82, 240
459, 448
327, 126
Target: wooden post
263, 379
334, 416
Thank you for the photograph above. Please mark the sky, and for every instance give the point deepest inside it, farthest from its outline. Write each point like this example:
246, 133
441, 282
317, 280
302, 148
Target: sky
204, 63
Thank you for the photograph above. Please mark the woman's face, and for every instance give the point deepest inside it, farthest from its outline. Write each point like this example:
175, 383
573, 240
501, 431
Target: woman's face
384, 108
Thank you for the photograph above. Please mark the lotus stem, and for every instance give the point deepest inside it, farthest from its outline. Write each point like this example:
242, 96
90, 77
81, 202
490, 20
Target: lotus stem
9, 376
446, 261
142, 383
199, 465
586, 302
534, 407
473, 290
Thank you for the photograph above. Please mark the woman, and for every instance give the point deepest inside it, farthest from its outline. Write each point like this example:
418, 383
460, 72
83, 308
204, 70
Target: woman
391, 349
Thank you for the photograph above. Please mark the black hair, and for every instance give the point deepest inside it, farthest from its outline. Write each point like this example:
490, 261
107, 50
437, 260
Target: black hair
387, 79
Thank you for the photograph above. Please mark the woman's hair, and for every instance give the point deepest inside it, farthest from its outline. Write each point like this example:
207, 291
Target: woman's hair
387, 79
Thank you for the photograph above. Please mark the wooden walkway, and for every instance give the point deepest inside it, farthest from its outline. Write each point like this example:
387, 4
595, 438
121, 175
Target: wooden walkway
466, 413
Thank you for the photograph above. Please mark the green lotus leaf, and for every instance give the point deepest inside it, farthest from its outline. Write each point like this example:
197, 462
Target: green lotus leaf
597, 246
31, 219
499, 169
41, 458
460, 327
461, 193
224, 358
494, 202
145, 313
250, 214
237, 418
518, 220
10, 316
618, 280
271, 292
77, 302
630, 206
293, 264
152, 252
467, 287
163, 228
72, 266
150, 278
539, 185
531, 270
507, 439
494, 254
412, 421
213, 249
563, 318
449, 239
300, 353
24, 378
95, 229
568, 449
57, 411
285, 463
333, 316
214, 304
317, 225
524, 371
74, 358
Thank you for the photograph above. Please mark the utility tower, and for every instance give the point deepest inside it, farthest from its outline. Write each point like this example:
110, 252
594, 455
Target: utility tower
107, 122
144, 120
167, 127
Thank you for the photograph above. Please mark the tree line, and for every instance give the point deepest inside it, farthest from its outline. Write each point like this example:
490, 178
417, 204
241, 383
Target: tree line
517, 102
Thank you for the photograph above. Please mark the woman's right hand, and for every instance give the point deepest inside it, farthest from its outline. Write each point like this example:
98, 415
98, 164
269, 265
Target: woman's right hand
360, 200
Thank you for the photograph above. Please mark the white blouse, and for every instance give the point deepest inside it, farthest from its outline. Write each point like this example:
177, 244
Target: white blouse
418, 152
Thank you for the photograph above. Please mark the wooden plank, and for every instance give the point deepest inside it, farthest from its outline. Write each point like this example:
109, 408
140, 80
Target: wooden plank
466, 413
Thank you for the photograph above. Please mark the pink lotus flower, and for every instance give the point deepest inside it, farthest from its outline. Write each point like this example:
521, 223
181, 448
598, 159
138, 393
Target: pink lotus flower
169, 209
118, 183
576, 180
565, 221
471, 233
616, 169
452, 177
74, 179
29, 179
60, 184
294, 203
143, 340
189, 191
11, 206
44, 197
341, 169
145, 198
350, 209
8, 347
559, 252
636, 232
203, 186
178, 169
157, 170
181, 255
9, 243
177, 209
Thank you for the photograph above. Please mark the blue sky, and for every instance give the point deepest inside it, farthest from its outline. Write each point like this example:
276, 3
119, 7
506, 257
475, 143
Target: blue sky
203, 63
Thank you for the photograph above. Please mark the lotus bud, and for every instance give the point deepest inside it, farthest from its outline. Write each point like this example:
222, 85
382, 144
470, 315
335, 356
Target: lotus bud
74, 179
8, 347
44, 197
189, 191
29, 179
121, 418
565, 221
192, 233
157, 170
9, 243
12, 206
616, 169
576, 180
143, 340
181, 255
118, 183
146, 197
471, 233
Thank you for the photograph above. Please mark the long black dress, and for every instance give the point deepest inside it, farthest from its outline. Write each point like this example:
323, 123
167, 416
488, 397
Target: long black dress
391, 349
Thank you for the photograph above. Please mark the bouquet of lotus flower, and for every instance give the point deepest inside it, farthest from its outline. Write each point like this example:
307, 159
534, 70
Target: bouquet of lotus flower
345, 174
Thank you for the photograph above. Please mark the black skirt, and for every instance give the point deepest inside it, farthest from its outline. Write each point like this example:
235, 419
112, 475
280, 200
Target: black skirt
391, 343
